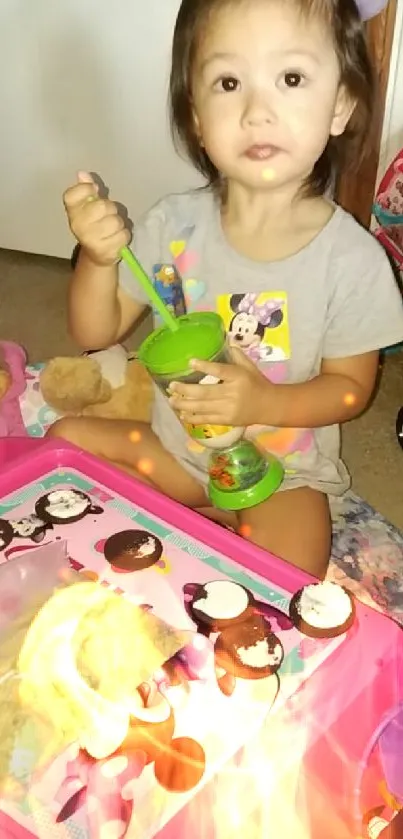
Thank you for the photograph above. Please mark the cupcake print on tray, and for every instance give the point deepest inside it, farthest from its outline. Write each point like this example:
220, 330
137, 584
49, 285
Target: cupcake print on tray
322, 610
245, 646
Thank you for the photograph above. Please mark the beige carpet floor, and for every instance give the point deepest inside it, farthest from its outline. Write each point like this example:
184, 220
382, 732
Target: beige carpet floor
33, 313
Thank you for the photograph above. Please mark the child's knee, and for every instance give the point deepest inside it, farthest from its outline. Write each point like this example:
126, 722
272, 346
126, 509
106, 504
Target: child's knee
64, 428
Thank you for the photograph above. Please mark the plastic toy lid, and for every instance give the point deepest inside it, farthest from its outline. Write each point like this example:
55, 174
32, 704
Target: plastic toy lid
385, 217
242, 499
167, 353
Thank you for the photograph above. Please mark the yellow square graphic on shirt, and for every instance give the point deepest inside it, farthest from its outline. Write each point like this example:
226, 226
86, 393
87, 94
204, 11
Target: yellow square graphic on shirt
258, 324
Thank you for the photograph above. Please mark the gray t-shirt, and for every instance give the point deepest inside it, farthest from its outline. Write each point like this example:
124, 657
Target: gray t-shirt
335, 298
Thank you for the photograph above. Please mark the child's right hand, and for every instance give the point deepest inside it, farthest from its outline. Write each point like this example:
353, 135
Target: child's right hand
96, 224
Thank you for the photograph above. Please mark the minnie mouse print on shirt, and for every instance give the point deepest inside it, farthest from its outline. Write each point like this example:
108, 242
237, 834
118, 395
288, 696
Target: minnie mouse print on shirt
257, 324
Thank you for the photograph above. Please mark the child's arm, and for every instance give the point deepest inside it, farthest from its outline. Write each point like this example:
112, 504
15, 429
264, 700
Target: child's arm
245, 397
100, 312
340, 393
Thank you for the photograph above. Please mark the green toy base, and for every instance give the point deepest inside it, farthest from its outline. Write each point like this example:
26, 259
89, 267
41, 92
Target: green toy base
242, 499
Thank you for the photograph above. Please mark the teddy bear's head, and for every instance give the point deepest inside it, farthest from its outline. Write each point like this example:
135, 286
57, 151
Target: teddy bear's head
79, 386
71, 384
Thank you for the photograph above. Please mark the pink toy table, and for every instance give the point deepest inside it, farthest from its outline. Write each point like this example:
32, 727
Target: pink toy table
284, 754
14, 447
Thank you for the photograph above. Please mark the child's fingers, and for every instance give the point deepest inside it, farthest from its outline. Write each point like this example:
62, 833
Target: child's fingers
105, 249
84, 190
203, 418
202, 393
108, 249
221, 372
111, 225
86, 178
240, 358
100, 209
79, 194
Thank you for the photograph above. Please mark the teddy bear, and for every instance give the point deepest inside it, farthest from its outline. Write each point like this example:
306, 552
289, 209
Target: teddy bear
107, 383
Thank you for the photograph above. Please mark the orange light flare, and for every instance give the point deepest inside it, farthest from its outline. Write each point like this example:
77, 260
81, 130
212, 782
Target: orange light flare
135, 436
350, 400
253, 802
145, 466
260, 801
245, 530
268, 793
11, 789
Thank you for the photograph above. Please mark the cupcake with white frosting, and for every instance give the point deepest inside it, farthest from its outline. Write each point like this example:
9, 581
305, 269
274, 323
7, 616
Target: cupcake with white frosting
322, 610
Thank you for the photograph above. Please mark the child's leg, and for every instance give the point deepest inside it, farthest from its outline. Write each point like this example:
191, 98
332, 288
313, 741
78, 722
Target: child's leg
295, 525
134, 447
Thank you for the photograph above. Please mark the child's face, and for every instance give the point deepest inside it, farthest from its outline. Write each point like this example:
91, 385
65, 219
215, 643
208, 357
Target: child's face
266, 93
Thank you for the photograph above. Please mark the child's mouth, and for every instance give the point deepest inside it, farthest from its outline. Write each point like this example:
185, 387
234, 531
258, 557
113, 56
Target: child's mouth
261, 152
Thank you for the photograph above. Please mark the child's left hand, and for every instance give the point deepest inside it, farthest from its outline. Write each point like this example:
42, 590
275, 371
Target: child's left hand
238, 399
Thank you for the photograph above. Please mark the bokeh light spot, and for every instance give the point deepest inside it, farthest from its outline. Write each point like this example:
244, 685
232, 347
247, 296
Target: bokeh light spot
135, 436
92, 576
245, 530
145, 466
350, 399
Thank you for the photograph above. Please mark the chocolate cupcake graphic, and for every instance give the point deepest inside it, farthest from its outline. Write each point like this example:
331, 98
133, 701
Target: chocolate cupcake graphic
322, 610
65, 506
218, 604
133, 550
6, 534
179, 762
246, 646
30, 527
249, 650
215, 605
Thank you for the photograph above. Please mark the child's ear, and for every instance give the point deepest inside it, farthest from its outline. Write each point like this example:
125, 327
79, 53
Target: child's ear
344, 109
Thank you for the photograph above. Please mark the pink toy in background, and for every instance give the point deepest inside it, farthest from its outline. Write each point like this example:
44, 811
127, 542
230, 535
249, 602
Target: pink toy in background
11, 422
388, 211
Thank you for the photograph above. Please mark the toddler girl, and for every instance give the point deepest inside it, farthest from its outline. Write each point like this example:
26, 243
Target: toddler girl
267, 97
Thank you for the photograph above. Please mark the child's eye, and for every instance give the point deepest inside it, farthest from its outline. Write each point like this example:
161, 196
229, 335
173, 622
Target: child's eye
293, 79
227, 84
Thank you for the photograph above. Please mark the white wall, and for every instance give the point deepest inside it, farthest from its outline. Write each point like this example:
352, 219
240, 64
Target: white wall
83, 86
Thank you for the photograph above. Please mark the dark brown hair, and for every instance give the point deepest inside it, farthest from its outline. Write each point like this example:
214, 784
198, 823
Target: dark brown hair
356, 74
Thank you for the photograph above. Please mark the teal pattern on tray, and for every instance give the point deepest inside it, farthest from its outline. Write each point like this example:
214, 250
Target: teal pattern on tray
21, 497
158, 528
17, 499
45, 823
292, 664
62, 476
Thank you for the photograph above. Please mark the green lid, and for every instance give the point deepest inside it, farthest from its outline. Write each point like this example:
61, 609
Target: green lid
242, 497
167, 353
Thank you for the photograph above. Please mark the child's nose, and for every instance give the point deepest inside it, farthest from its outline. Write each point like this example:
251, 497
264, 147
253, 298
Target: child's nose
259, 108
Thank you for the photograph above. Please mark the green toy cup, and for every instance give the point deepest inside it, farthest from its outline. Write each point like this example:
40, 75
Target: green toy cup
167, 356
240, 475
